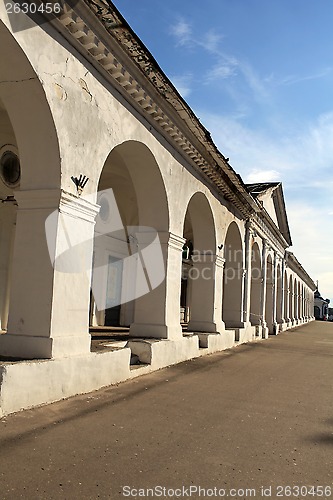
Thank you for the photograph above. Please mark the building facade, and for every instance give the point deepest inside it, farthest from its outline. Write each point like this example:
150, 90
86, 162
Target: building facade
321, 307
118, 210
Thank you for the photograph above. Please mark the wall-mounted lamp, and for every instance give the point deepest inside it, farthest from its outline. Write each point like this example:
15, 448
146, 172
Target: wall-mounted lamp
80, 183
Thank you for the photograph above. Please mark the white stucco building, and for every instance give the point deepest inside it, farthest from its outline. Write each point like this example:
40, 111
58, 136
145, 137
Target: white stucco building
85, 109
321, 306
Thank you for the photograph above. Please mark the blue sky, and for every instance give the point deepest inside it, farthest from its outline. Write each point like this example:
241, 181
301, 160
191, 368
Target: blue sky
259, 75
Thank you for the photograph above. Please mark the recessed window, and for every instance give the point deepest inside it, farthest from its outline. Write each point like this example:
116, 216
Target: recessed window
10, 170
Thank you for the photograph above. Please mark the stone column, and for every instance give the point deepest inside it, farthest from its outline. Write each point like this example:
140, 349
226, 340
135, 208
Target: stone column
7, 235
296, 305
275, 278
247, 276
206, 300
283, 290
291, 306
287, 306
49, 301
287, 311
263, 285
157, 313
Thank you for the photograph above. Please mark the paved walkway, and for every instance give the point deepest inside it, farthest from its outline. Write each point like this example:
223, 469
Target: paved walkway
257, 416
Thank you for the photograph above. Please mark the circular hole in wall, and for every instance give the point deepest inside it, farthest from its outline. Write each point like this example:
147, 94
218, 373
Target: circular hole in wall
10, 169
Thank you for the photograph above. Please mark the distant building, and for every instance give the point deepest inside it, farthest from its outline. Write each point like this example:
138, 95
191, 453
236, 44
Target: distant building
321, 310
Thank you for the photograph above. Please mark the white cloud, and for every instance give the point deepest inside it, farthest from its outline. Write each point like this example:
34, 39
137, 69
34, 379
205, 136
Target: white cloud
262, 176
210, 41
249, 150
182, 31
292, 79
225, 65
223, 69
302, 156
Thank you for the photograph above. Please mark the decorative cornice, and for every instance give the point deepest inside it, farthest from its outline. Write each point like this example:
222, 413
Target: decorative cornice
269, 232
298, 269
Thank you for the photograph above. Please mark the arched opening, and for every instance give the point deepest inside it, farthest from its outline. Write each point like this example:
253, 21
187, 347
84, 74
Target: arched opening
317, 312
10, 178
187, 264
279, 297
256, 280
24, 100
233, 278
126, 277
198, 284
269, 295
31, 168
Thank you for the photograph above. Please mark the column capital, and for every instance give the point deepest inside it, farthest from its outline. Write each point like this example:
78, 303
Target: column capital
265, 245
219, 261
34, 199
79, 208
172, 240
57, 199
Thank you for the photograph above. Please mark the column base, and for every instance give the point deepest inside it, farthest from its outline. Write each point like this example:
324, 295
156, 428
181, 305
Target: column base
206, 326
258, 331
214, 342
161, 353
264, 330
283, 326
151, 331
246, 334
30, 347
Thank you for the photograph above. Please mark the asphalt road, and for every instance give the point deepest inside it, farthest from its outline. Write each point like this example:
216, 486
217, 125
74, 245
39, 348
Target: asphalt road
250, 422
